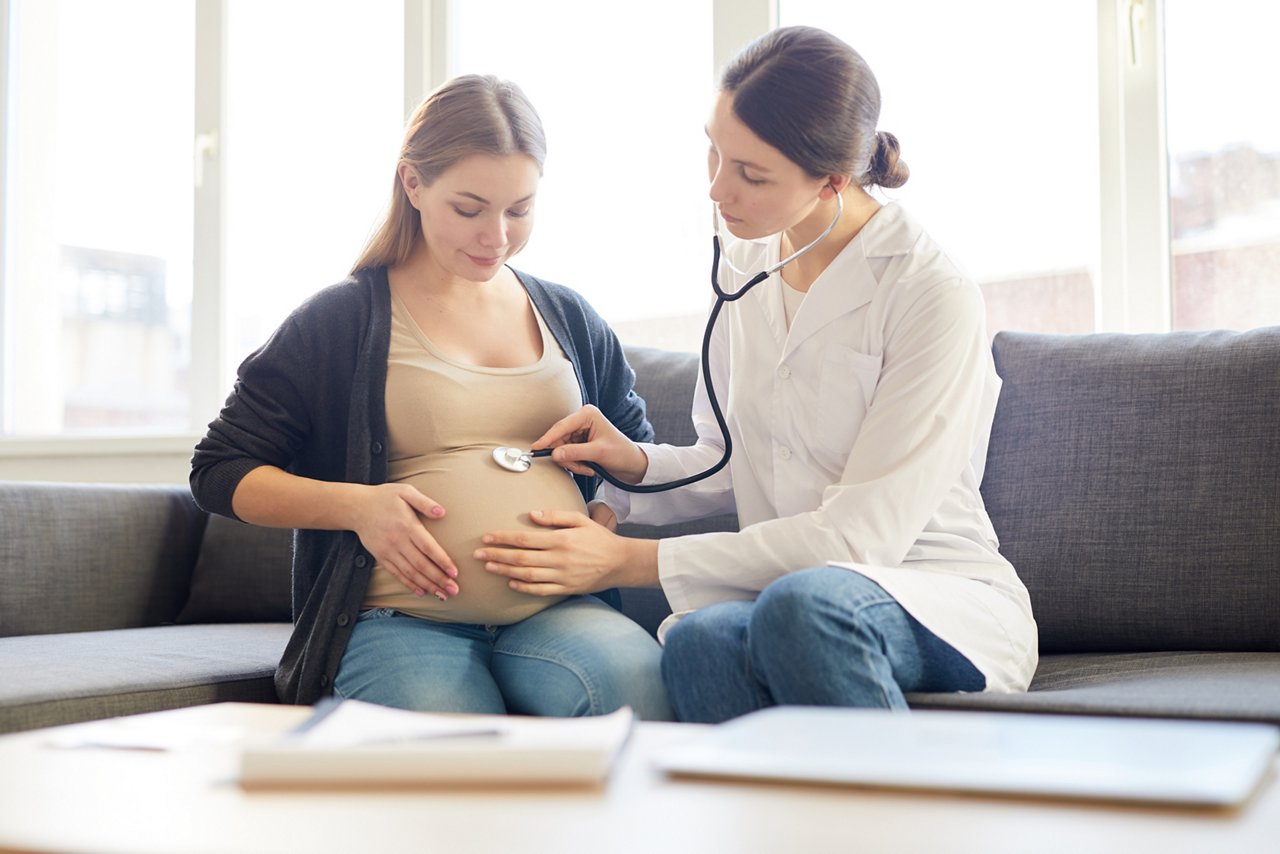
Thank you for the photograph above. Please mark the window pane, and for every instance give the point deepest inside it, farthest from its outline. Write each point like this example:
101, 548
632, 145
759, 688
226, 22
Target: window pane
996, 110
315, 116
622, 215
98, 202
1224, 163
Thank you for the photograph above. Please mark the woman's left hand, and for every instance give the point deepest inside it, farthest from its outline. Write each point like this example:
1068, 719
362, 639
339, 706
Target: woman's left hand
574, 555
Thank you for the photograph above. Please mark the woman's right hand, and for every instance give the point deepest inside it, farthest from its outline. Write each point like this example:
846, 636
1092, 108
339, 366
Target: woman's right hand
588, 435
390, 523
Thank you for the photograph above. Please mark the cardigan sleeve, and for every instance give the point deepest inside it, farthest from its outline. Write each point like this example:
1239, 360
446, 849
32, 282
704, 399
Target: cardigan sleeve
291, 405
265, 420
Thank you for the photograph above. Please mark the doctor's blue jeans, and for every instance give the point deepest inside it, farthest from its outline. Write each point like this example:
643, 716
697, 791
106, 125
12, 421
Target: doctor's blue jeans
817, 637
578, 657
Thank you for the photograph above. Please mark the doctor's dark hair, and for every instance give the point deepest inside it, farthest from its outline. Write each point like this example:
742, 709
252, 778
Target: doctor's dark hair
471, 114
814, 98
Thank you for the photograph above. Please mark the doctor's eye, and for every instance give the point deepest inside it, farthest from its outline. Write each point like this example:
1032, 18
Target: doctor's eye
755, 182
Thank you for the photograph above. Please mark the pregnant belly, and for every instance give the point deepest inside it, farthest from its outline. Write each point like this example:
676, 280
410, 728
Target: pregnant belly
478, 497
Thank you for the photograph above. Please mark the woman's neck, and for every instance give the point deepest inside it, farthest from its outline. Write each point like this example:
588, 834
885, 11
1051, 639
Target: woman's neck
801, 273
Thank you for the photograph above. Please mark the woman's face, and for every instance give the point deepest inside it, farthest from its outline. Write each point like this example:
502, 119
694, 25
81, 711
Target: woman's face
758, 190
477, 214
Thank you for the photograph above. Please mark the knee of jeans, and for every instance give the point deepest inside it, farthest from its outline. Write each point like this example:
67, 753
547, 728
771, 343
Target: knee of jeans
811, 605
789, 602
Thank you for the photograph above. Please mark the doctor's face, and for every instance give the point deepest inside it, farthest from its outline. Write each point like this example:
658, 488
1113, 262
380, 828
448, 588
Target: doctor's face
757, 189
477, 214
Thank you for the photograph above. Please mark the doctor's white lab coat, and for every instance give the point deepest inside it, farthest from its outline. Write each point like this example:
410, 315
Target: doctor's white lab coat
859, 440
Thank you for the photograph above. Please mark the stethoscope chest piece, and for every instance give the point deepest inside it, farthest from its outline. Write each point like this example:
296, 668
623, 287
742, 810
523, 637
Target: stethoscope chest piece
512, 459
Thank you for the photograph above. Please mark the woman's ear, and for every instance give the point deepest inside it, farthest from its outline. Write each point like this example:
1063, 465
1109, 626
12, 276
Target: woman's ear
411, 181
835, 184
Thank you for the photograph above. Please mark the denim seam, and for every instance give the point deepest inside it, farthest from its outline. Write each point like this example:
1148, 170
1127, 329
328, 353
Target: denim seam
582, 675
863, 606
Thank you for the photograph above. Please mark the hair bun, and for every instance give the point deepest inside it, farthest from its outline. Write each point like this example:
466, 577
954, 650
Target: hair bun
887, 168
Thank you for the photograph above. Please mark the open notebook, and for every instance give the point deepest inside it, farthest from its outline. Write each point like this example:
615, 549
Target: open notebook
1129, 759
352, 743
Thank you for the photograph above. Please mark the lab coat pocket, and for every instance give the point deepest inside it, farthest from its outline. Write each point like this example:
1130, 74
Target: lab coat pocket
847, 382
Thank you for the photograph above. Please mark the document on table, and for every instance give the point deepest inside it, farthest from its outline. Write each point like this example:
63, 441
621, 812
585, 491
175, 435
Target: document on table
350, 743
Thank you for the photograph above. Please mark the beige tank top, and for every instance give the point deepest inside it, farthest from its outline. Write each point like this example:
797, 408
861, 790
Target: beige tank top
444, 419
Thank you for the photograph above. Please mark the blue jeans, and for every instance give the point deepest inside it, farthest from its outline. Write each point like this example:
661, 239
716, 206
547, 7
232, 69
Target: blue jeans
578, 657
818, 637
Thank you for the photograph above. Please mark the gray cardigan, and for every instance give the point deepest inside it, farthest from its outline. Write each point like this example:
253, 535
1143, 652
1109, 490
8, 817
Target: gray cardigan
310, 401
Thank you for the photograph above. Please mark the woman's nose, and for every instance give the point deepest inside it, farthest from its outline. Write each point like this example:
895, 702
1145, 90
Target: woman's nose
495, 233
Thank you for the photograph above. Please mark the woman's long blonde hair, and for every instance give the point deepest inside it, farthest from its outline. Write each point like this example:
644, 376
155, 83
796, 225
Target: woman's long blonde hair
471, 114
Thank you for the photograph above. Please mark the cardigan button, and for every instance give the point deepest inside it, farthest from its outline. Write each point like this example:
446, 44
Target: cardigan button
376, 448
324, 681
361, 561
343, 619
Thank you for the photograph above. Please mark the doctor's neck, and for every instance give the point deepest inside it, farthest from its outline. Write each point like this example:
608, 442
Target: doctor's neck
859, 207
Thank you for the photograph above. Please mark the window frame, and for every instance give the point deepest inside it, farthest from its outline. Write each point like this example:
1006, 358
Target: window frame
1134, 282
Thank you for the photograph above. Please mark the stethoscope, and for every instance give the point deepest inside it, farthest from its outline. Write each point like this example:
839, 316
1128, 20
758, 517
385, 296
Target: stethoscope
516, 460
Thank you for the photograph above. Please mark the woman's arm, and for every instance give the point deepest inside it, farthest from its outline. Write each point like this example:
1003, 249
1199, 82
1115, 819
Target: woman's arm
289, 412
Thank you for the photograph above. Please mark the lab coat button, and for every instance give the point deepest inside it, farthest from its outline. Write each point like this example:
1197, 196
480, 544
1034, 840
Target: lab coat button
784, 372
785, 453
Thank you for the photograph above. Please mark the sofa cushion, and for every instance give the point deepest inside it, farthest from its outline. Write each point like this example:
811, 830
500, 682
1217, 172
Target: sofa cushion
80, 557
1134, 481
242, 575
83, 676
1238, 686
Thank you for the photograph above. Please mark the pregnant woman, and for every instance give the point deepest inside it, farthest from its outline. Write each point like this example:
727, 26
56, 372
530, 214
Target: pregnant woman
367, 422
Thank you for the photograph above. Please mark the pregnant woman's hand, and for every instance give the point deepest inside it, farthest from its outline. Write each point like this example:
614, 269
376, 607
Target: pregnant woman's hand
588, 435
390, 523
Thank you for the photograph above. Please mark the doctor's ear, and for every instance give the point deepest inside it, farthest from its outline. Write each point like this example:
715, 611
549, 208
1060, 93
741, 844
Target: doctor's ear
835, 184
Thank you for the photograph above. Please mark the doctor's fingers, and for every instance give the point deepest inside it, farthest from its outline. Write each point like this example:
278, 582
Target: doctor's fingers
540, 581
578, 427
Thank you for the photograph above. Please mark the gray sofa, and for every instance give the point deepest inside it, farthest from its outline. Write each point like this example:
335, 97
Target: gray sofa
1133, 480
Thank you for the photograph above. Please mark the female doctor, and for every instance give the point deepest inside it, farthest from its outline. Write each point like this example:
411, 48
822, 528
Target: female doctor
859, 391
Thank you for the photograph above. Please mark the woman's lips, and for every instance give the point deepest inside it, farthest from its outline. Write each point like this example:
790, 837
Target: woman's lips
485, 262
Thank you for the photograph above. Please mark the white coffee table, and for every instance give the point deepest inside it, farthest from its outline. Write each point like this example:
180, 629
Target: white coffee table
186, 800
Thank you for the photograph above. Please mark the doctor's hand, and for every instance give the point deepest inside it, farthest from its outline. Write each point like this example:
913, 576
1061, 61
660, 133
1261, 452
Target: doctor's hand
391, 521
574, 555
588, 435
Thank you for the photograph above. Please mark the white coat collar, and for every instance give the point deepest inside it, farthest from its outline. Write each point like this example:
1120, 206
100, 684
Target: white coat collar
849, 282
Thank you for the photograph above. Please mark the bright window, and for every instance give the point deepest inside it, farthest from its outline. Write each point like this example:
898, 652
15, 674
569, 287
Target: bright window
314, 125
98, 213
996, 109
1224, 163
623, 215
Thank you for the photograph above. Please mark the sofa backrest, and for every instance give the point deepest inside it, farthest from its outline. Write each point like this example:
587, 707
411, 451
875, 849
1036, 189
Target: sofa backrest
666, 380
82, 557
1134, 482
